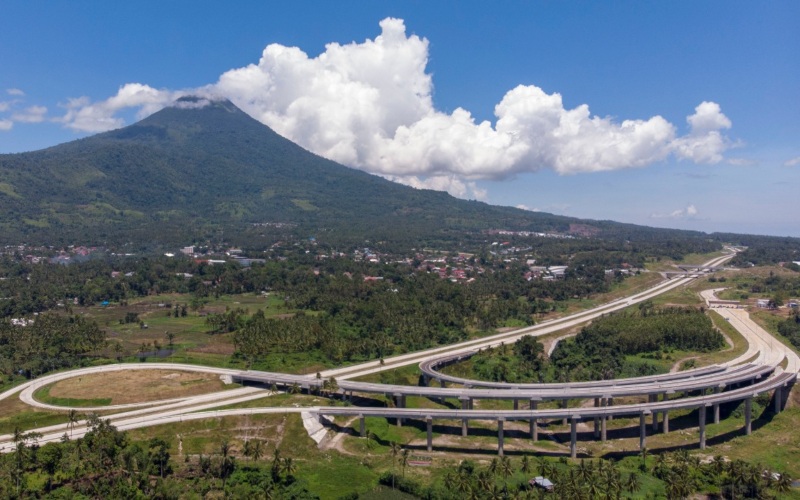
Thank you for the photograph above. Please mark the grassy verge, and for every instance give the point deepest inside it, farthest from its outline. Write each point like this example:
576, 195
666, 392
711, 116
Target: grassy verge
43, 395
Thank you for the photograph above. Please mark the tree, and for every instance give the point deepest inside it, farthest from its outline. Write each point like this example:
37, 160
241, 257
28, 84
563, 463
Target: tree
404, 457
289, 467
525, 464
227, 463
159, 452
72, 419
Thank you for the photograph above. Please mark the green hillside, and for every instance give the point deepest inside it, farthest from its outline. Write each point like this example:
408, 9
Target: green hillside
190, 172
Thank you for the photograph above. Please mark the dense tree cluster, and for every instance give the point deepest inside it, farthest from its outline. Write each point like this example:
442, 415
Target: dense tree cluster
105, 463
790, 328
682, 474
46, 342
599, 350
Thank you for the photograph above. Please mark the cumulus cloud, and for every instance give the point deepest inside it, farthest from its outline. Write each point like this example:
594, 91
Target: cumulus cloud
6, 125
792, 163
449, 183
15, 92
369, 105
85, 116
690, 212
33, 114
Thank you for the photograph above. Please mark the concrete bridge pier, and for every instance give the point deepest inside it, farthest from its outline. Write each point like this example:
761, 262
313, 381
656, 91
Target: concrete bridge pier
400, 402
500, 436
516, 404
362, 428
596, 419
534, 404
666, 422
429, 422
748, 417
465, 404
717, 390
778, 396
653, 398
703, 427
610, 403
604, 421
643, 429
573, 436
564, 404
441, 382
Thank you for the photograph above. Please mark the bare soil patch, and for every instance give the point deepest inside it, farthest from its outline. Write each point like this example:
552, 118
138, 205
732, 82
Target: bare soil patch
135, 386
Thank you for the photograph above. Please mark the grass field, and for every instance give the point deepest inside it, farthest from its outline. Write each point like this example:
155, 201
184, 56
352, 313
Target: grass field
130, 386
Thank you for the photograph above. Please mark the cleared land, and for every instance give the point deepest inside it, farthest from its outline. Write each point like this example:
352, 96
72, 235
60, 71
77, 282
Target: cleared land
135, 386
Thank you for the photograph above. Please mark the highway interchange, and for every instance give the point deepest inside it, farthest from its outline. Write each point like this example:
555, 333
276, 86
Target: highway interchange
767, 365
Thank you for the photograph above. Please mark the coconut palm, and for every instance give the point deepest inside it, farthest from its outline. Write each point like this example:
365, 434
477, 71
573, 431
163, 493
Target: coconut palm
525, 464
404, 456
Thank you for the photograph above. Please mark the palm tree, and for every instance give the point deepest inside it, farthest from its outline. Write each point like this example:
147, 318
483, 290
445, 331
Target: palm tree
784, 483
394, 449
73, 418
404, 456
506, 470
525, 464
494, 466
257, 449
485, 480
632, 484
289, 467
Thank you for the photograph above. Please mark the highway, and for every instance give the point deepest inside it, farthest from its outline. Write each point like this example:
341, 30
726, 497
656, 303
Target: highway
755, 372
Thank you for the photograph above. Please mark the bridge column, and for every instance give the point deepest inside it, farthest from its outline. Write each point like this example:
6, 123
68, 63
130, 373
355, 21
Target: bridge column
611, 403
653, 398
604, 421
564, 404
534, 421
703, 427
573, 436
748, 417
516, 404
465, 402
425, 380
441, 382
596, 420
666, 421
717, 390
643, 429
500, 436
362, 426
429, 421
778, 399
400, 402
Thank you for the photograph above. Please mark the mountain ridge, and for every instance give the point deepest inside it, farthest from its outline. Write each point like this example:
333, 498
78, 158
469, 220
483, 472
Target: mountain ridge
192, 169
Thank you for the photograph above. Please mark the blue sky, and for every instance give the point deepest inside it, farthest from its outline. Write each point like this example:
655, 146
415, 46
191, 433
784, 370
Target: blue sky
676, 114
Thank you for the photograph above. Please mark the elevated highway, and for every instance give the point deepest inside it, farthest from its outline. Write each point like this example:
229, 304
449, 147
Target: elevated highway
767, 366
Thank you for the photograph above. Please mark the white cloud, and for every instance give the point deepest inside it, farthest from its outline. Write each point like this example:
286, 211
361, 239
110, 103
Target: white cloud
793, 162
33, 114
690, 212
84, 116
6, 125
451, 184
5, 105
369, 105
704, 143
16, 92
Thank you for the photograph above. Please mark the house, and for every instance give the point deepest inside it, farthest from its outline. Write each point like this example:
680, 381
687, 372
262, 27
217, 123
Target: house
541, 482
763, 303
